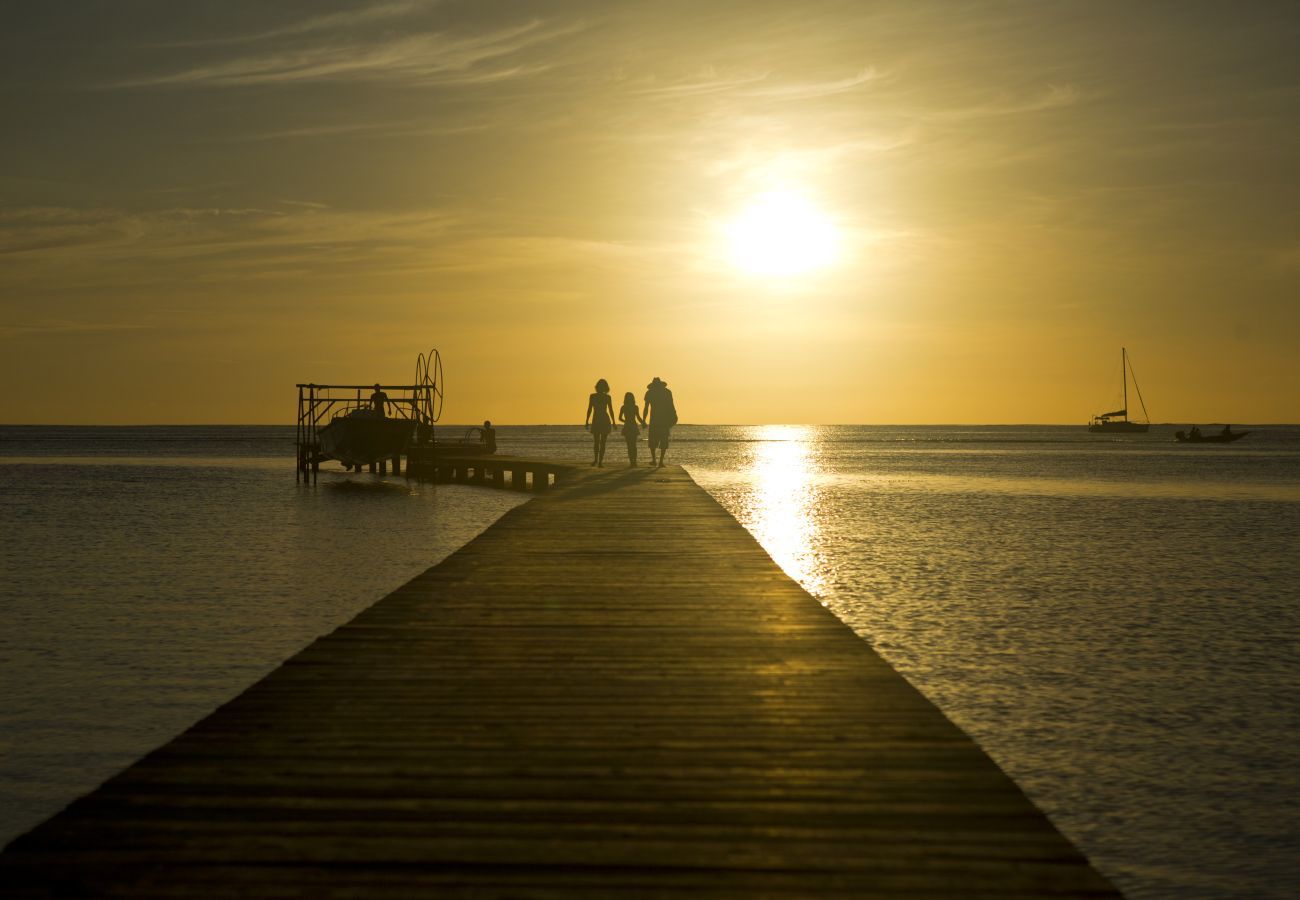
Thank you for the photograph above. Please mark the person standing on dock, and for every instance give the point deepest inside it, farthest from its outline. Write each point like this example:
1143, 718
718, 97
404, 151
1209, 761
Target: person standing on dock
661, 413
629, 415
599, 420
379, 402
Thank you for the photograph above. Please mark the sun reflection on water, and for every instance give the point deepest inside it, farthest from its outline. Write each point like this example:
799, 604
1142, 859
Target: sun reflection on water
782, 512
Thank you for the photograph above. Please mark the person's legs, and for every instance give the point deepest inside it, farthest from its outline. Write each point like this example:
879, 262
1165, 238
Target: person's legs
631, 449
595, 447
600, 448
658, 440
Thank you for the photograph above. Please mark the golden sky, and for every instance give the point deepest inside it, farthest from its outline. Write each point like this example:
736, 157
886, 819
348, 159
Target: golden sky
823, 212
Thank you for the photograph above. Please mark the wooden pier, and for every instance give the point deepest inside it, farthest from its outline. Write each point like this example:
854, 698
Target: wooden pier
612, 692
518, 473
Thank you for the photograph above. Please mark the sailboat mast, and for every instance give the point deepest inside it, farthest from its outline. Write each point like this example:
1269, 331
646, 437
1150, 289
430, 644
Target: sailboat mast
1123, 377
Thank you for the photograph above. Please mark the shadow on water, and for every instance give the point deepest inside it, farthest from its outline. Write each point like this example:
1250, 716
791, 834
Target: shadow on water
353, 487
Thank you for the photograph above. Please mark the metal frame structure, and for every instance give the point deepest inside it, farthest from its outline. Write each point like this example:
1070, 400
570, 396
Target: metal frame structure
420, 402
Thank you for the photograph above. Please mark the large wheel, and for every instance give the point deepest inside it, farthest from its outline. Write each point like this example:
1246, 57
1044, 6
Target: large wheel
428, 386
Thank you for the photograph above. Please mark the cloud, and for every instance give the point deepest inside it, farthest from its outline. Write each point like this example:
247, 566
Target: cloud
428, 58
706, 82
808, 90
403, 128
343, 20
1056, 96
256, 237
748, 83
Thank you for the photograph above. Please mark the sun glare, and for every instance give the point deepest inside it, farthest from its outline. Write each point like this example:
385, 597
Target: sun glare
781, 233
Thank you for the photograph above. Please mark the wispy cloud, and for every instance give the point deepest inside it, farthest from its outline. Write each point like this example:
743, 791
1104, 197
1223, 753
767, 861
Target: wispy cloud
343, 19
427, 58
708, 81
401, 128
807, 90
69, 236
762, 84
1056, 96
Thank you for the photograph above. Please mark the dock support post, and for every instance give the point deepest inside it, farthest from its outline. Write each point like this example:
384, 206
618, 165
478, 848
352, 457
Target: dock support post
397, 464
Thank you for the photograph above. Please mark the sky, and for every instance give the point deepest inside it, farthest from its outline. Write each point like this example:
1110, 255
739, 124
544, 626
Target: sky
822, 212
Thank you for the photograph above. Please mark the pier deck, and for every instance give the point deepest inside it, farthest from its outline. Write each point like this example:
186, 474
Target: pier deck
611, 692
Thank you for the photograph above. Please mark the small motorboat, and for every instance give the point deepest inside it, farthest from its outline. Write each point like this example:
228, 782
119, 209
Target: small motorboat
1226, 436
475, 442
362, 436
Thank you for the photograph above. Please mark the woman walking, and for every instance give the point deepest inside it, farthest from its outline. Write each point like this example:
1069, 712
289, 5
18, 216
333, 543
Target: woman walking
600, 420
629, 415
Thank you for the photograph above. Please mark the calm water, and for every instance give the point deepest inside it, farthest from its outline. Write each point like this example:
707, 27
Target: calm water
1115, 620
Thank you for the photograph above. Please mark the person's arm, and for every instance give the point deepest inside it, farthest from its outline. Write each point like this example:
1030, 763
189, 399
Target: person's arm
591, 408
609, 406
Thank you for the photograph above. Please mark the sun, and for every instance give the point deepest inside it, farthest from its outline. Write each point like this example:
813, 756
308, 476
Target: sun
781, 233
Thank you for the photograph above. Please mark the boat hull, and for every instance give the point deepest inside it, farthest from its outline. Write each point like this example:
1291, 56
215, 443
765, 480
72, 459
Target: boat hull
1209, 438
354, 440
1119, 428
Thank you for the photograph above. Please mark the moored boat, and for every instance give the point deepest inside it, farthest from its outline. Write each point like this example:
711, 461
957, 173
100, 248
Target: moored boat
1117, 421
362, 436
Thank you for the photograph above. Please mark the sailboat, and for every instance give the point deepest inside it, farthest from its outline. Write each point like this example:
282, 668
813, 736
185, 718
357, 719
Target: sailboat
1118, 422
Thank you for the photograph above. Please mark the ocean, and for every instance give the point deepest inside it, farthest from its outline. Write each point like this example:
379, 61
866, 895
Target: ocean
1116, 620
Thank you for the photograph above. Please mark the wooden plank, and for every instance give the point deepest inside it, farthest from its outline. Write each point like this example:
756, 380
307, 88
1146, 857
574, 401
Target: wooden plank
613, 690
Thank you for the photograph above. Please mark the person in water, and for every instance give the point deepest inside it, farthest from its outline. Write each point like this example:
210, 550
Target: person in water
629, 415
662, 416
600, 420
489, 435
379, 401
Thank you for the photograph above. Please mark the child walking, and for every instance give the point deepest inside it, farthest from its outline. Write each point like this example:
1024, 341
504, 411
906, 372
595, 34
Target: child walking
629, 415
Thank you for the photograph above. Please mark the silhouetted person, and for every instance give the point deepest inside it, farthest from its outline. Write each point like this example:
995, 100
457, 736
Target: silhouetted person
629, 415
379, 401
1227, 430
1196, 431
489, 436
662, 416
600, 419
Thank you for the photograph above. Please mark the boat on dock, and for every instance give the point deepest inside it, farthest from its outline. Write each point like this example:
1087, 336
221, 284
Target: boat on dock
1194, 436
358, 428
361, 436
1117, 421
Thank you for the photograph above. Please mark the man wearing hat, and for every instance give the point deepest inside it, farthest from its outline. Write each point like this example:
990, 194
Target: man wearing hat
662, 416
